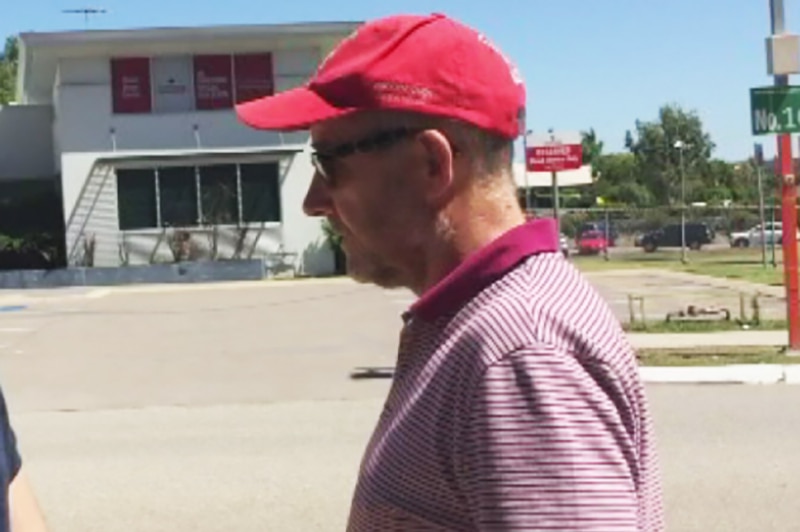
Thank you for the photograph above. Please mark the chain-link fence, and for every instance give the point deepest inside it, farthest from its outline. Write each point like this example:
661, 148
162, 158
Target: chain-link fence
624, 227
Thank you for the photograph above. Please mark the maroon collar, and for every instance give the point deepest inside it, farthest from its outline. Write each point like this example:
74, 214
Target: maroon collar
485, 266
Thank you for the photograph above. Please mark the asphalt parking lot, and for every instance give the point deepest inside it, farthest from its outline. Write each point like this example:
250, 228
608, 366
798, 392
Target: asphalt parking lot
231, 407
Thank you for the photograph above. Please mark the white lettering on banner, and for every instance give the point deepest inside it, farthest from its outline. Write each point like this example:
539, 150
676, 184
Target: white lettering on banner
551, 160
131, 87
554, 157
558, 150
211, 87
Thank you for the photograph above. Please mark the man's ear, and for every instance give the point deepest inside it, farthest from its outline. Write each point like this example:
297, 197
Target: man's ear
438, 156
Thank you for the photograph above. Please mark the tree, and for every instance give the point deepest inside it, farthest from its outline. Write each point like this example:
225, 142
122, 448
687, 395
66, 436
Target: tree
11, 50
592, 148
8, 71
619, 180
592, 151
742, 182
659, 160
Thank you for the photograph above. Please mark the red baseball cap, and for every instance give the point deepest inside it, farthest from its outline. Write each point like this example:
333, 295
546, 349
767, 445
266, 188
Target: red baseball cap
428, 64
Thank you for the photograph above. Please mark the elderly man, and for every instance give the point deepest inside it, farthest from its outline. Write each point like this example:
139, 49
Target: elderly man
516, 402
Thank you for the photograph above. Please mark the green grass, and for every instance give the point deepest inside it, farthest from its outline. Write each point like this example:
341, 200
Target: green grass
702, 326
729, 263
715, 356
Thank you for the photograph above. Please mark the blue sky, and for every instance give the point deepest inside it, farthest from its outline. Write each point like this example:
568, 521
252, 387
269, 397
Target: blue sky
587, 63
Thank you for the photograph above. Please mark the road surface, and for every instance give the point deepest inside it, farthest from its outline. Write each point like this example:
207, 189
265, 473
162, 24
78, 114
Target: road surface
214, 408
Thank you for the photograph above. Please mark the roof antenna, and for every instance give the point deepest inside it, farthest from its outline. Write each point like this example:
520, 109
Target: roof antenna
85, 11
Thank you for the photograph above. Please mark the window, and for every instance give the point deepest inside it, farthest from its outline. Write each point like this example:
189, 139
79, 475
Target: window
177, 187
136, 199
260, 193
226, 194
219, 194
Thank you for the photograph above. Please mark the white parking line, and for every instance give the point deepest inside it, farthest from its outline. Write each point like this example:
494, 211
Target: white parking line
15, 329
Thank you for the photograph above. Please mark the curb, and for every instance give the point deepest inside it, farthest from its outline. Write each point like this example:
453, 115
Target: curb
792, 374
776, 338
733, 374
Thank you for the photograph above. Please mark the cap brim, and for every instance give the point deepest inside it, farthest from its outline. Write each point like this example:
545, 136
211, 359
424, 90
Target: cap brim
290, 110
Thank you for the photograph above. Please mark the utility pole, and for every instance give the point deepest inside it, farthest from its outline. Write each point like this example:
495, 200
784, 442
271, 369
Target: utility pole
680, 146
788, 182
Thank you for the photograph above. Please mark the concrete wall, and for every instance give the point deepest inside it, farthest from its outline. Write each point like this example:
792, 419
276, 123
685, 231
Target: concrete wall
26, 142
185, 272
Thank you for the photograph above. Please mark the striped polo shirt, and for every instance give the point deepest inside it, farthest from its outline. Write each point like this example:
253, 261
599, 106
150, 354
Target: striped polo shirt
516, 404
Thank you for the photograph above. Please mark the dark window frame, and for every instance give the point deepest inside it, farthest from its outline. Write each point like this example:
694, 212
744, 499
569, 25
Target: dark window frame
256, 195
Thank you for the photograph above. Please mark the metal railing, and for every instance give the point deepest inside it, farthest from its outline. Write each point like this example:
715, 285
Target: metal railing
75, 247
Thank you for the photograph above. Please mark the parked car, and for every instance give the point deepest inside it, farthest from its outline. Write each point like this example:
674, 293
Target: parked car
591, 243
600, 226
773, 233
698, 234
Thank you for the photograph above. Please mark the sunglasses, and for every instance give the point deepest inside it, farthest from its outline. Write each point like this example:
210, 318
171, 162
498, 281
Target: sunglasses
324, 161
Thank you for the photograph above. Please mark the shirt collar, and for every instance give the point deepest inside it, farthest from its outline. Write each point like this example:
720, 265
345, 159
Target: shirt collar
485, 266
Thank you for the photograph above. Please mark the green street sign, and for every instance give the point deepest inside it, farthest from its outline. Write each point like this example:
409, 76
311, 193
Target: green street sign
775, 110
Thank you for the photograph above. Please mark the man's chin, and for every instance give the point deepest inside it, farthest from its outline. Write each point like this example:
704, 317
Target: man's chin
364, 272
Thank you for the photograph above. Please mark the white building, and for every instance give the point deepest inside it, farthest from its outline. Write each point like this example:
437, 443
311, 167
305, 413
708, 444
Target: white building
139, 127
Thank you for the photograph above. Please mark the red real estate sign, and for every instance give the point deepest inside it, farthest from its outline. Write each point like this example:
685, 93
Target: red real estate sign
554, 157
253, 75
130, 82
213, 82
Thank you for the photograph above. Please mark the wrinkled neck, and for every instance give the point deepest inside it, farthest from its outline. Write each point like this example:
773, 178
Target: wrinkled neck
469, 223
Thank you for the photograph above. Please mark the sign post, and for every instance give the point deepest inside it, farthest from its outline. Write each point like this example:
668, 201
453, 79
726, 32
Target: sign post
776, 111
554, 152
556, 202
759, 160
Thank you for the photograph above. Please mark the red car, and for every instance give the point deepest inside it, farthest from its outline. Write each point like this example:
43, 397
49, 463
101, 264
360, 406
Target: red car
591, 243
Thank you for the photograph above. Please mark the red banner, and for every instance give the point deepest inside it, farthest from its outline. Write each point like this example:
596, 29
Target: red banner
253, 76
554, 158
212, 82
130, 85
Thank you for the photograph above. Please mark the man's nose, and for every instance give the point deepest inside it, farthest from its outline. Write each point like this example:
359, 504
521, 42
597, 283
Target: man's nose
317, 201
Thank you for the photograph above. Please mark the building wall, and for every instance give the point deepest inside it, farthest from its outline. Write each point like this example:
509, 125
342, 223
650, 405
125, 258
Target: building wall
85, 128
84, 118
95, 218
297, 240
26, 142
